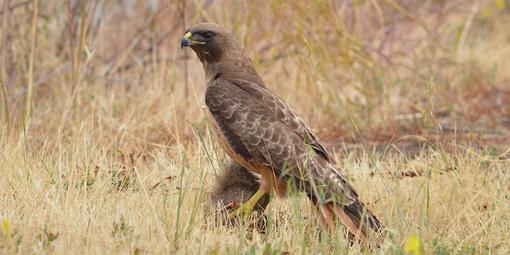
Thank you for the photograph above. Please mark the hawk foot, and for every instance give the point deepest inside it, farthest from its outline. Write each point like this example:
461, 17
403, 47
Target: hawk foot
243, 210
246, 208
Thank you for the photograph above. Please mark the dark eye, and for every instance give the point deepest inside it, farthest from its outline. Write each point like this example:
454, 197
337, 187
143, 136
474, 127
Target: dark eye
208, 35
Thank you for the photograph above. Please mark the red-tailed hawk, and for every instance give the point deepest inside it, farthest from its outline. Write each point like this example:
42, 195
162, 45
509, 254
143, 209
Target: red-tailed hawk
261, 132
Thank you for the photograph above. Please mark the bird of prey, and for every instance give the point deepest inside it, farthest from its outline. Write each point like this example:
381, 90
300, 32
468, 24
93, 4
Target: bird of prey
261, 132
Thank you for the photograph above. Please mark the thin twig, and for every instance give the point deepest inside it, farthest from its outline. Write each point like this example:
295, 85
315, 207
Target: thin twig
81, 44
70, 32
409, 15
14, 6
4, 64
467, 26
54, 73
183, 23
115, 61
31, 65
76, 65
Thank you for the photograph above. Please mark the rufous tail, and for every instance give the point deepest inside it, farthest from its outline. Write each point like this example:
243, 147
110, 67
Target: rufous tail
357, 218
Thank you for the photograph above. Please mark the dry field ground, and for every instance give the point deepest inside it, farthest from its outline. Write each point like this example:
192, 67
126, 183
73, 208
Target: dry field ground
104, 147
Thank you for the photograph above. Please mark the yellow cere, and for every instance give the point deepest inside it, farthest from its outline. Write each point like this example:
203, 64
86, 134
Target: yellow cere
188, 36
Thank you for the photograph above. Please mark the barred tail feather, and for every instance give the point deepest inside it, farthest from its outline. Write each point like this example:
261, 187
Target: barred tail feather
359, 221
363, 217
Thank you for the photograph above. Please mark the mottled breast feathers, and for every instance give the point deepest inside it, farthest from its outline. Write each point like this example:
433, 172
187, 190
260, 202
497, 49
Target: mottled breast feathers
256, 121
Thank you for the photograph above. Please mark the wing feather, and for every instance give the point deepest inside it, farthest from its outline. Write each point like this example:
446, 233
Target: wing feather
284, 113
258, 123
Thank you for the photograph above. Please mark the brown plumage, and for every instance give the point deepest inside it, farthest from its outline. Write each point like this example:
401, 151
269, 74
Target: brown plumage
262, 133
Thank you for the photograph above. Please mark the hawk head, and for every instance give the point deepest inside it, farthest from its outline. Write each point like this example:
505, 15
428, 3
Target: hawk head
209, 41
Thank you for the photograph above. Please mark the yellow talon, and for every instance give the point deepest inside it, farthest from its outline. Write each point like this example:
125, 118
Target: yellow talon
247, 207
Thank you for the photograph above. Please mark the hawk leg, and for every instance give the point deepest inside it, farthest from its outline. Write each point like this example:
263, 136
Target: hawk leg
247, 207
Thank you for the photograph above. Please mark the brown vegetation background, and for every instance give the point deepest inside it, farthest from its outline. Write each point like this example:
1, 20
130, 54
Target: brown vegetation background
104, 147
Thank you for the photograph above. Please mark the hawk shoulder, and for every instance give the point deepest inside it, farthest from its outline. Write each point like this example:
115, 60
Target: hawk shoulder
251, 127
285, 114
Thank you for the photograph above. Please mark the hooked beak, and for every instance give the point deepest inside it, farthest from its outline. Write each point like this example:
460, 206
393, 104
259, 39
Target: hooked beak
187, 40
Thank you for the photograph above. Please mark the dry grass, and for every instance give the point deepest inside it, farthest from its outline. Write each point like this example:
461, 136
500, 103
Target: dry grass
101, 151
